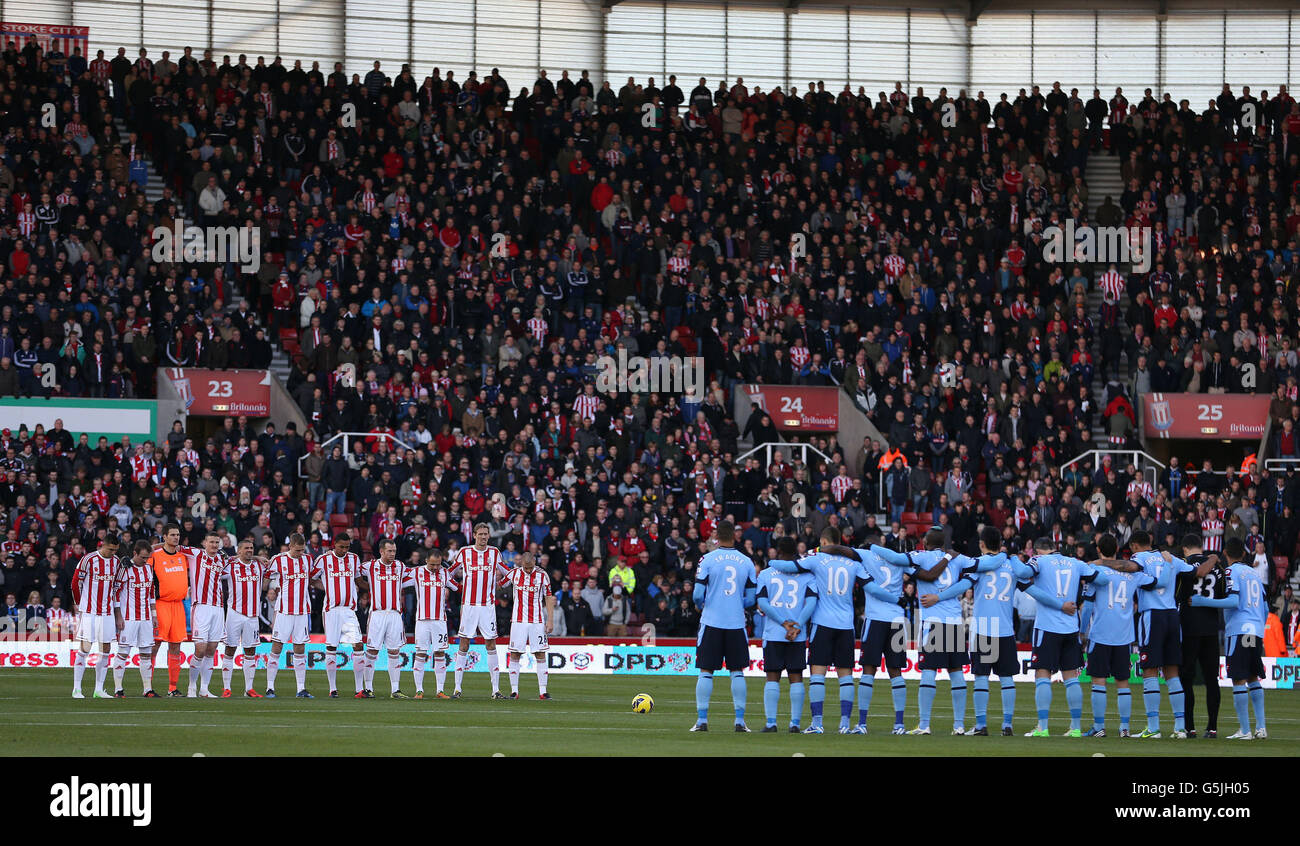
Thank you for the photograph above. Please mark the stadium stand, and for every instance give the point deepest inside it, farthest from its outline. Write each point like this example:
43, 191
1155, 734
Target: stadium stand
472, 249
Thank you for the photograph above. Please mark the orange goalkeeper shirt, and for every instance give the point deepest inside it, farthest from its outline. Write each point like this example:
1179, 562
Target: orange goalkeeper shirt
173, 575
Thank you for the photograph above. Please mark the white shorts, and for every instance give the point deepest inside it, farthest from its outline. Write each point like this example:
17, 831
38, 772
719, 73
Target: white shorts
98, 628
290, 628
136, 633
341, 626
386, 630
431, 634
207, 623
241, 630
528, 637
478, 621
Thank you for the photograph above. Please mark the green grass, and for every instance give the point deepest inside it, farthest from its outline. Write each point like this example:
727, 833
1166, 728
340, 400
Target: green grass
590, 715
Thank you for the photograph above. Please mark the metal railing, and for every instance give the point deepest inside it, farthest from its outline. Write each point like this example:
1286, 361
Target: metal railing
770, 446
327, 446
1137, 456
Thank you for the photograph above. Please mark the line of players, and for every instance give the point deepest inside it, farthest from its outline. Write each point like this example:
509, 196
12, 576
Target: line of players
1113, 602
116, 601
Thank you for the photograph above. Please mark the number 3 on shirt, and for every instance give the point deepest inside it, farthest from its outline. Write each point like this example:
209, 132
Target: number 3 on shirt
731, 581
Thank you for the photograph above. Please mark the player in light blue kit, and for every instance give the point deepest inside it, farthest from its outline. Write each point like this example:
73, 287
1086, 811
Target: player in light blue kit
1055, 581
884, 636
1160, 631
943, 633
1110, 634
725, 585
993, 647
1243, 630
832, 622
786, 602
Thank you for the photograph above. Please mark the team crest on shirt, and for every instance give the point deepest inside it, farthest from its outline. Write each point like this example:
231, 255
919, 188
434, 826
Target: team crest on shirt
679, 661
1142, 657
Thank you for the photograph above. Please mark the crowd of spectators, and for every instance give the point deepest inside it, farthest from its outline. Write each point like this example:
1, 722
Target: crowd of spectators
469, 249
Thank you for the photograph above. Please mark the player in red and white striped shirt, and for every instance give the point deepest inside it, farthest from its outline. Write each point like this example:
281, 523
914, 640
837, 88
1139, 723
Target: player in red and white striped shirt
385, 576
207, 618
247, 576
337, 571
92, 593
134, 596
432, 585
531, 620
291, 574
482, 568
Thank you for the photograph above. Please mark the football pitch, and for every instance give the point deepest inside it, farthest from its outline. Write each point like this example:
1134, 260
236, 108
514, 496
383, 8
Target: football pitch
589, 716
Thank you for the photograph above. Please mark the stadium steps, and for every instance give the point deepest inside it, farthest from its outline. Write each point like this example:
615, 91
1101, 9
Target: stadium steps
1104, 179
280, 363
154, 189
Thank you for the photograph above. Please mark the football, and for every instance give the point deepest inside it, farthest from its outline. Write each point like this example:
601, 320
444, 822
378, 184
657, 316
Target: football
643, 703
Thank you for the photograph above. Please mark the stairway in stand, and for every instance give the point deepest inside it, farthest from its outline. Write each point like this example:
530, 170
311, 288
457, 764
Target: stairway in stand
1103, 180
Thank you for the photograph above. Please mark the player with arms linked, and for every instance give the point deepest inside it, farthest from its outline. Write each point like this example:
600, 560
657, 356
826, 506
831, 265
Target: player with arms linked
832, 622
1110, 634
943, 633
884, 636
993, 647
786, 602
1056, 582
1201, 627
1247, 615
1160, 635
725, 585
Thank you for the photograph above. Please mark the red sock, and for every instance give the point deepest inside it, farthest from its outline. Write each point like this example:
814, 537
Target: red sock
173, 670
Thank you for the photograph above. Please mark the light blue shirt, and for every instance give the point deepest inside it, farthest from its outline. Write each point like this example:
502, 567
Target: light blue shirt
724, 588
784, 597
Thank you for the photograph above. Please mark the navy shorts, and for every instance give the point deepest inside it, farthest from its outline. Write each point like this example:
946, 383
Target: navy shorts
1245, 657
716, 645
990, 655
943, 647
1106, 661
1056, 652
885, 641
785, 656
1160, 639
831, 648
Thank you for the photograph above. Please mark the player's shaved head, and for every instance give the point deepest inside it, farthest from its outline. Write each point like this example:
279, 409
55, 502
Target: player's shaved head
831, 535
1107, 545
726, 532
934, 539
